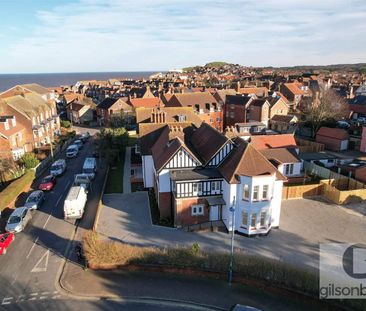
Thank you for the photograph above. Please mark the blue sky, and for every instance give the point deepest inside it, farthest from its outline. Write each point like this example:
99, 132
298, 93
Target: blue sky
135, 35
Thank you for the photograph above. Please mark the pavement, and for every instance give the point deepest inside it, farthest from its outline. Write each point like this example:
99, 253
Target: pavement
127, 171
304, 224
33, 261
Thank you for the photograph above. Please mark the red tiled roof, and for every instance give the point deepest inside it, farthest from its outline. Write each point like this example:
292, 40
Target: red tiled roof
294, 88
146, 102
333, 133
245, 160
273, 141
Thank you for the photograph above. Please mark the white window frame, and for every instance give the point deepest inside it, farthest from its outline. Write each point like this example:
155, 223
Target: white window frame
197, 209
256, 191
6, 125
263, 217
246, 188
265, 197
215, 185
14, 122
253, 217
197, 185
289, 169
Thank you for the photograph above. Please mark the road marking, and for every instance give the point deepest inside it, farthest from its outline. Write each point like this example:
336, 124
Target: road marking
33, 294
55, 292
7, 300
56, 296
67, 185
45, 256
43, 297
45, 293
34, 244
58, 200
48, 218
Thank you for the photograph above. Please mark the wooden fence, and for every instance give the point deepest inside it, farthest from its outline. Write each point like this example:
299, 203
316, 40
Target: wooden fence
333, 191
308, 146
301, 191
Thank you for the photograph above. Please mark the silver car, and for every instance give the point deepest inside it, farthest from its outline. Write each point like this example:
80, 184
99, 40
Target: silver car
18, 220
35, 199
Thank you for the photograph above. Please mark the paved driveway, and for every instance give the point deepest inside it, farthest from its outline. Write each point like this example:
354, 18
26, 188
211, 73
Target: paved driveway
304, 224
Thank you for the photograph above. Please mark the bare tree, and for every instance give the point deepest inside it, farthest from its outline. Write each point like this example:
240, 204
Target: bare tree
327, 105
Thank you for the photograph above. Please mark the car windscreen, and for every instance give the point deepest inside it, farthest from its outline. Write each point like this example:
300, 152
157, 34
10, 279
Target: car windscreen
47, 179
4, 237
56, 167
71, 149
32, 199
88, 171
14, 219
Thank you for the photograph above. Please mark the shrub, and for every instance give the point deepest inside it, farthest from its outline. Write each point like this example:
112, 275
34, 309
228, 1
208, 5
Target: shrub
11, 192
65, 124
29, 160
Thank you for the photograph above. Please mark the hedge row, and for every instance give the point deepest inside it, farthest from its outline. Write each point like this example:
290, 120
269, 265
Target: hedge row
11, 192
100, 252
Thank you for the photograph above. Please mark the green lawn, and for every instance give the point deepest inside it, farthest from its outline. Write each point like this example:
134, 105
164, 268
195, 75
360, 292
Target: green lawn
115, 176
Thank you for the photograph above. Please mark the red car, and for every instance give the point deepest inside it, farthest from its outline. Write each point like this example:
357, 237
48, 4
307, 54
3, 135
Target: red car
5, 241
47, 183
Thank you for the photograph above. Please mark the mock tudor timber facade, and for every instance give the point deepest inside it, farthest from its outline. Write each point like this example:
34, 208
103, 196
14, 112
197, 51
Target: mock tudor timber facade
198, 174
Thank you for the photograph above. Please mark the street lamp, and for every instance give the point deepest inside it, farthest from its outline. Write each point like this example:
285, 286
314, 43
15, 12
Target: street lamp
232, 210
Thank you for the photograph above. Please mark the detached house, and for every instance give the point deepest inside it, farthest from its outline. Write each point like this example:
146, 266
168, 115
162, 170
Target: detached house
198, 174
204, 105
110, 107
334, 139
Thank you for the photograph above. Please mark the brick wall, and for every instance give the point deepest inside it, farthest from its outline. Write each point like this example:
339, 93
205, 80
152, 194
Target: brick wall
165, 205
183, 211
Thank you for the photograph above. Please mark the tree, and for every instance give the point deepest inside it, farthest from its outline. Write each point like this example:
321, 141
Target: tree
29, 160
327, 106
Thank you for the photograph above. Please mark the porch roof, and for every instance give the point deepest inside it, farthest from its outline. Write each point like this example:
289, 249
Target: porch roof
195, 174
215, 201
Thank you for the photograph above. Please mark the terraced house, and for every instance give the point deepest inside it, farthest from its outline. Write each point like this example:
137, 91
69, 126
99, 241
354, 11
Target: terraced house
34, 108
198, 174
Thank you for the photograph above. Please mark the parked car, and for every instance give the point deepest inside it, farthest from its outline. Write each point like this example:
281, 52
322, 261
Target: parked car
35, 199
18, 220
84, 137
47, 183
72, 151
58, 167
343, 124
90, 167
78, 143
5, 241
361, 119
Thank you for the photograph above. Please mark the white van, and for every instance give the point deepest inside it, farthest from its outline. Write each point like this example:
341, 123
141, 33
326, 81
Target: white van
72, 151
75, 201
58, 167
90, 167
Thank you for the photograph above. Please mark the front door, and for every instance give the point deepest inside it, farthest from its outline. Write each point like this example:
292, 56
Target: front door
214, 212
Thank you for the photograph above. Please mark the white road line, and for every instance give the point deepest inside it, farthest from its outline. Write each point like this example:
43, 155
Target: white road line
43, 297
67, 185
45, 293
34, 244
7, 300
45, 256
48, 218
33, 298
56, 296
58, 200
33, 294
55, 292
21, 298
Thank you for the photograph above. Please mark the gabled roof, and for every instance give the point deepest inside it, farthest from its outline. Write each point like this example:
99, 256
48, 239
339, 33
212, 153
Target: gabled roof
146, 102
259, 91
273, 141
241, 100
259, 102
195, 98
36, 88
164, 149
207, 141
108, 102
245, 160
281, 155
294, 88
333, 133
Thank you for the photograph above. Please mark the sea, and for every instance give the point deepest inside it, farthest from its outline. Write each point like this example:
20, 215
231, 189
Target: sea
56, 79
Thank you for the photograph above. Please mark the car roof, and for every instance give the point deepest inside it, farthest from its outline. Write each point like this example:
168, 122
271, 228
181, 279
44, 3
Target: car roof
35, 193
58, 161
72, 146
77, 140
18, 211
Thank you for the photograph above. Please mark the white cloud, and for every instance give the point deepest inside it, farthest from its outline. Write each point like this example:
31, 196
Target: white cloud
105, 35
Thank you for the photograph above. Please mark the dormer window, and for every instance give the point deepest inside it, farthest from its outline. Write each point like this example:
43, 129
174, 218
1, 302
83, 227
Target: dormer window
182, 118
6, 125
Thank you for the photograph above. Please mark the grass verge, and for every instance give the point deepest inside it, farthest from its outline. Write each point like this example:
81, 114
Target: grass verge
115, 176
272, 272
11, 192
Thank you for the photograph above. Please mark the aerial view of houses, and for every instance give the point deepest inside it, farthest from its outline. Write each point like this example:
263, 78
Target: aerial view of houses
138, 174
